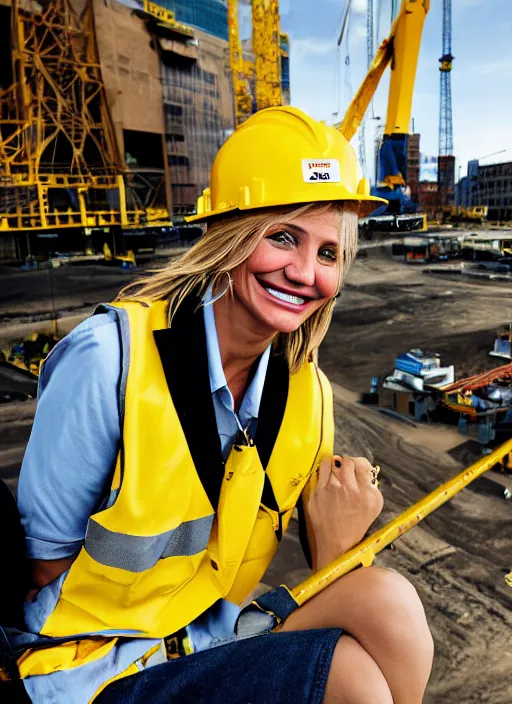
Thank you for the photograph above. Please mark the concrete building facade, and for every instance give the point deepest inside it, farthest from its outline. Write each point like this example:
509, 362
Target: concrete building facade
169, 90
489, 185
198, 112
413, 165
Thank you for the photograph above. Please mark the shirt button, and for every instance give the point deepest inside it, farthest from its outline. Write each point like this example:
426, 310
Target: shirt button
214, 565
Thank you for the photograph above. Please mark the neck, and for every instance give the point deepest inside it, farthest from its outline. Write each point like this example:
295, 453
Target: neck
240, 341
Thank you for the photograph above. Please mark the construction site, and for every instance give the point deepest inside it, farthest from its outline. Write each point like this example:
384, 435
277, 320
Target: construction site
111, 114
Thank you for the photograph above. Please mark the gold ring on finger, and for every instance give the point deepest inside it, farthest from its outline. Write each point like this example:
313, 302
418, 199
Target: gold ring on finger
375, 473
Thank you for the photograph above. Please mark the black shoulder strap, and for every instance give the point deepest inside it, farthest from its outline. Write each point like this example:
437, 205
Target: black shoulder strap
272, 408
184, 358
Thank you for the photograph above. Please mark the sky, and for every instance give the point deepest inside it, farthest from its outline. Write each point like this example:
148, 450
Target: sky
323, 85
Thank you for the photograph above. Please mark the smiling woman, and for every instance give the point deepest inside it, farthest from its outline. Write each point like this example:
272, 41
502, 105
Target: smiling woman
193, 420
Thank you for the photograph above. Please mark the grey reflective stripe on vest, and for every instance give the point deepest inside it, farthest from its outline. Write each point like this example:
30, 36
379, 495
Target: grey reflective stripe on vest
136, 553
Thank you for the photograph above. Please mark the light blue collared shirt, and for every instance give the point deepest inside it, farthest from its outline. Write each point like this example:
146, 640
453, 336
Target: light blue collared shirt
229, 422
67, 469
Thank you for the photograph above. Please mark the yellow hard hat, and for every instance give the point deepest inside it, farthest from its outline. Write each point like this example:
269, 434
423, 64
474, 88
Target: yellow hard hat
281, 156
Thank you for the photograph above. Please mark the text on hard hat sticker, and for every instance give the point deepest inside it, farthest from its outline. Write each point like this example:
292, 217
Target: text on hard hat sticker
321, 171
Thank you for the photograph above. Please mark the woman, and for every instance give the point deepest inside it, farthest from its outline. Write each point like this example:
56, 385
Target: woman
177, 430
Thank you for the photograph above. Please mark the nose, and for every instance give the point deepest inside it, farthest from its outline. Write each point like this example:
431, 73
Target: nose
302, 269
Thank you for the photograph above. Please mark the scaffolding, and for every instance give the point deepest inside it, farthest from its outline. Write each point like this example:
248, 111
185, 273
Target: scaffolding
59, 162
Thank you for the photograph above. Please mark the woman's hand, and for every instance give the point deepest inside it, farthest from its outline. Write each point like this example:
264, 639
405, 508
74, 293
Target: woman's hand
342, 507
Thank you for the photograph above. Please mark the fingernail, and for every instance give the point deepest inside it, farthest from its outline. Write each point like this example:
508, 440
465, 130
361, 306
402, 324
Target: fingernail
337, 463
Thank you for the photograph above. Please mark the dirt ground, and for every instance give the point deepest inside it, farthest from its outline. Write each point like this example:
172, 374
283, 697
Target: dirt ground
458, 557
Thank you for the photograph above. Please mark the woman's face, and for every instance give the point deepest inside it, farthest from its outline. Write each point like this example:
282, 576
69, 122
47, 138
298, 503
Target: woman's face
292, 272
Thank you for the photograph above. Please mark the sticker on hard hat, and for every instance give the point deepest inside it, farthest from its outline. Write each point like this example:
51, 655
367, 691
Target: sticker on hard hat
321, 170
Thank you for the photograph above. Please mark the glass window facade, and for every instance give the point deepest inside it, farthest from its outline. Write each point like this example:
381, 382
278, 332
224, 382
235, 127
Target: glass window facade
209, 15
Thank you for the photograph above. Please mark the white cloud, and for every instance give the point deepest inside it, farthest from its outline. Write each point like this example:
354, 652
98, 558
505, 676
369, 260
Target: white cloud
358, 6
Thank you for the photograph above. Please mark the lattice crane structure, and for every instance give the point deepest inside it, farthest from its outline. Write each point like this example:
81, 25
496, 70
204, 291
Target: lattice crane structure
59, 162
266, 40
241, 69
256, 84
446, 160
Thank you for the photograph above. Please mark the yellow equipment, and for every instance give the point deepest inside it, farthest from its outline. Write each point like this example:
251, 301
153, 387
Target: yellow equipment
281, 156
59, 162
128, 258
265, 72
168, 17
241, 70
267, 53
400, 50
364, 553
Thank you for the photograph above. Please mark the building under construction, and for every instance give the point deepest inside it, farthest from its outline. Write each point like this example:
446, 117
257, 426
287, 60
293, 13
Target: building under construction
111, 114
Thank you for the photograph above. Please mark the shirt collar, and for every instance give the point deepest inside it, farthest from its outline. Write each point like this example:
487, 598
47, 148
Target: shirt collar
252, 398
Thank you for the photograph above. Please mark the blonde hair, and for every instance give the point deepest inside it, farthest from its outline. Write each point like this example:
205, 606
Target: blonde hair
228, 242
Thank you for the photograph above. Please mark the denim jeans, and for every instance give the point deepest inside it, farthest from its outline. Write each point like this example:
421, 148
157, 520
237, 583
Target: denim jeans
274, 668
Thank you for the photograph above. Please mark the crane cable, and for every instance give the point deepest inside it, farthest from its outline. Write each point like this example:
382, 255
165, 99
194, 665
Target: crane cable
345, 32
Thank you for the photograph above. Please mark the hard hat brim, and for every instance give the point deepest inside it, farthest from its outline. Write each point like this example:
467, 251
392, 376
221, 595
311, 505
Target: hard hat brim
366, 206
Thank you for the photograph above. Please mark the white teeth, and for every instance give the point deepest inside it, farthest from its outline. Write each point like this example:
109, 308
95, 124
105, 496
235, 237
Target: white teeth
285, 296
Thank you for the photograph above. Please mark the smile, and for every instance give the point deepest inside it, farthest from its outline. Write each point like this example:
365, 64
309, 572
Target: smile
287, 297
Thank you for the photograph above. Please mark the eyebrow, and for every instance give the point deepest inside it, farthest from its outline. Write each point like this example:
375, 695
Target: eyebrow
293, 227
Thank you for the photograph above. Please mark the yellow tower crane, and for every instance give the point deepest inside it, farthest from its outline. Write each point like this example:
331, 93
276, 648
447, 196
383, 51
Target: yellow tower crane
261, 78
400, 51
266, 39
241, 70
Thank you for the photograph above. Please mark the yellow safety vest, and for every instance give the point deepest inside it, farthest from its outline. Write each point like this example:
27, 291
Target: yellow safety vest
182, 528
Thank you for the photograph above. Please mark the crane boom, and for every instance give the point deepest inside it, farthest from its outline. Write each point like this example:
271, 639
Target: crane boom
400, 50
360, 102
406, 49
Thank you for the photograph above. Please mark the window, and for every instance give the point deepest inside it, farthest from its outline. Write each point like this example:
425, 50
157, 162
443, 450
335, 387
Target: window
178, 160
209, 78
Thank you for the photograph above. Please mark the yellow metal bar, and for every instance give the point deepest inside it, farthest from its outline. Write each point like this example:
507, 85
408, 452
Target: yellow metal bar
167, 16
361, 100
42, 196
364, 553
406, 49
82, 204
122, 200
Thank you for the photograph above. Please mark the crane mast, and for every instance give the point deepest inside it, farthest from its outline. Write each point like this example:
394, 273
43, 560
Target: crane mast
265, 72
241, 69
266, 39
446, 160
